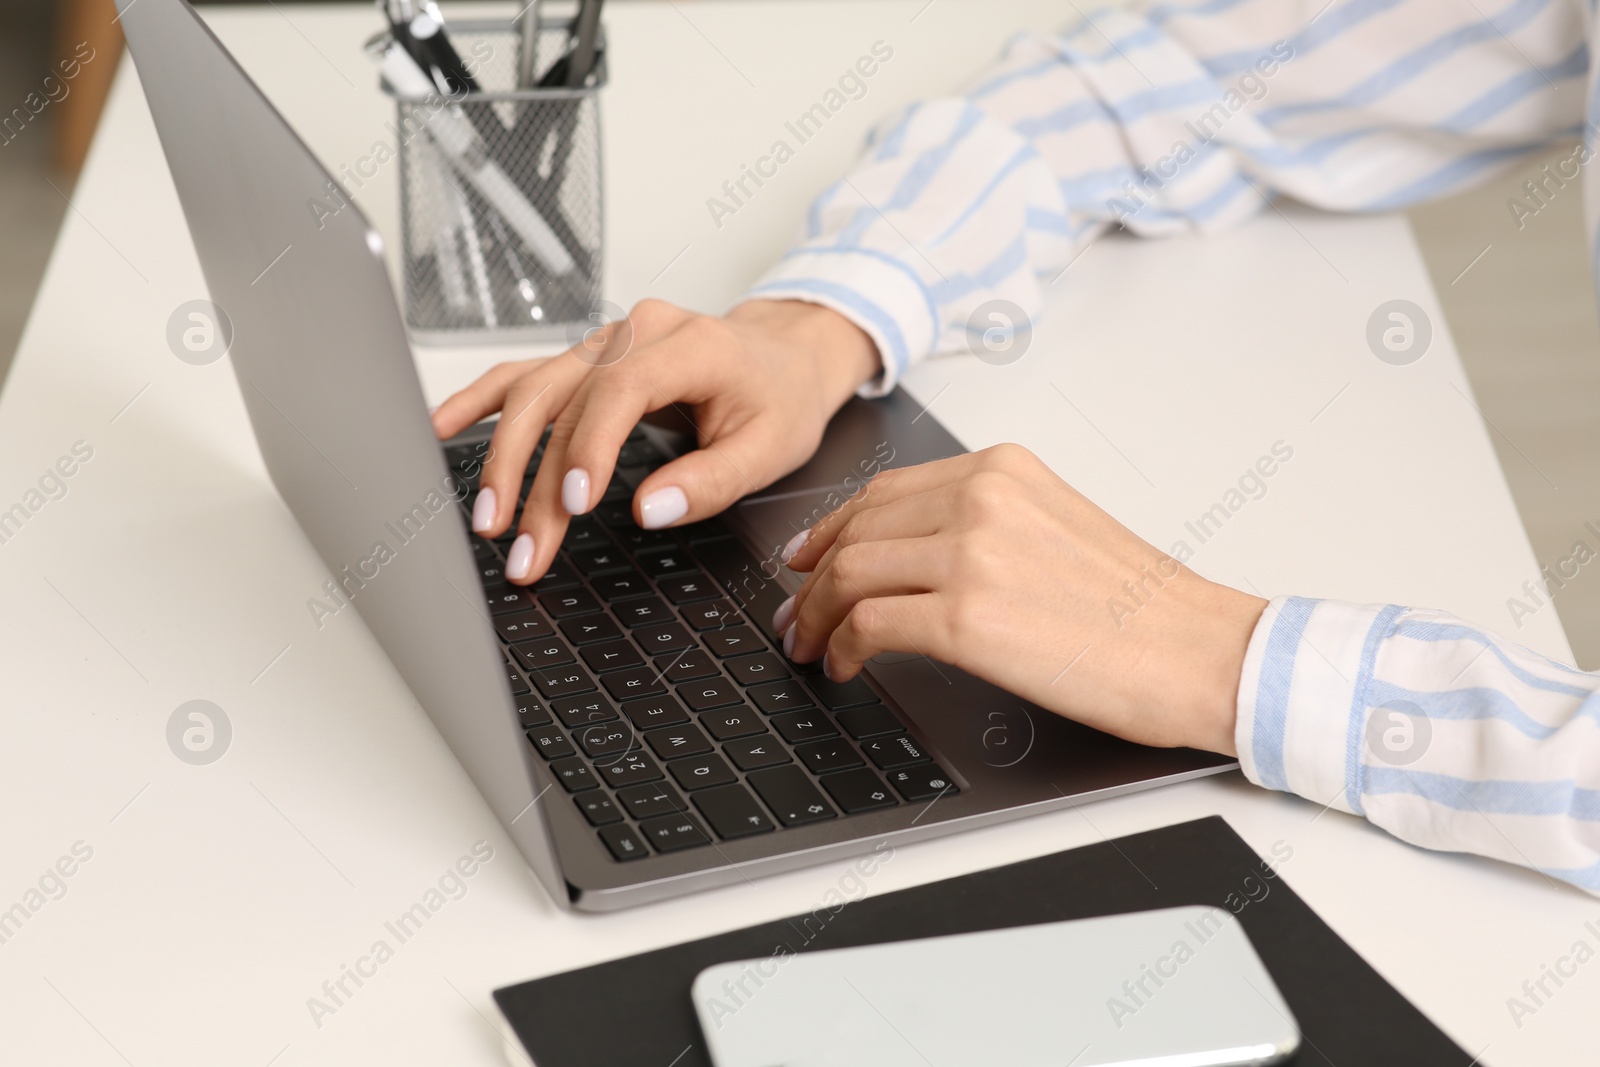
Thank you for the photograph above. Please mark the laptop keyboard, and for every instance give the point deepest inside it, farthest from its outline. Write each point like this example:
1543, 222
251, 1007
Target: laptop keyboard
665, 709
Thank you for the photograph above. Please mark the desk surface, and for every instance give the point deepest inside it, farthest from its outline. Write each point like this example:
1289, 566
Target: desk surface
219, 899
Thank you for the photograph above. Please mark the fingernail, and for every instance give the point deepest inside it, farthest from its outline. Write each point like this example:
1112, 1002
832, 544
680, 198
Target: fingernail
796, 543
788, 641
782, 617
663, 507
827, 668
483, 512
520, 559
435, 408
575, 491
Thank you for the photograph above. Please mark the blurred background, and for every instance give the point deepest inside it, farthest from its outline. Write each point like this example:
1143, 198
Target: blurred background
1519, 298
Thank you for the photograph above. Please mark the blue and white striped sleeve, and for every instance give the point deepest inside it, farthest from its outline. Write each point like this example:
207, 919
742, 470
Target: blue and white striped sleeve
1168, 118
1444, 734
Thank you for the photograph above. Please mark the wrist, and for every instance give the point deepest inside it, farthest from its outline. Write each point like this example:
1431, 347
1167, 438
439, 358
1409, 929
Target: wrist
845, 355
1225, 621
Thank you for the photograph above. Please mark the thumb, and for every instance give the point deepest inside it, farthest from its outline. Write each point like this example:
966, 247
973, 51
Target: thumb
708, 480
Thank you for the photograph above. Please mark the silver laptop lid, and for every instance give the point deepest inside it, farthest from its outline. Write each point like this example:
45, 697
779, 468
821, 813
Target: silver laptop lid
325, 369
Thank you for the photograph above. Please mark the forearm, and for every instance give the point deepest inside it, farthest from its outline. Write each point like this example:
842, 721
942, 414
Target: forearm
1442, 733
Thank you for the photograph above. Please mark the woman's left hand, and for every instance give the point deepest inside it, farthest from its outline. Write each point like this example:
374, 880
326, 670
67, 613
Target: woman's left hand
992, 563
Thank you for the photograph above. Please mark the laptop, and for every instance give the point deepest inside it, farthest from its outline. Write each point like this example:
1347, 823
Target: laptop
629, 719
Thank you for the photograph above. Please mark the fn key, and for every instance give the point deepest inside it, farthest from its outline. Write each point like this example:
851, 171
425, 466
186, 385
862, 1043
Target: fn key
623, 842
788, 792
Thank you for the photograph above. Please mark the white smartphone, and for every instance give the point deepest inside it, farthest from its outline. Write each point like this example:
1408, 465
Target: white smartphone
1179, 987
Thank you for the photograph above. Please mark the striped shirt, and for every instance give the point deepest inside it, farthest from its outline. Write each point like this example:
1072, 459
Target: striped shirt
1168, 118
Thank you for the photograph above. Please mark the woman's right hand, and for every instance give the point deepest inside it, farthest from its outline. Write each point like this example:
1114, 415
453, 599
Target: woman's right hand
759, 385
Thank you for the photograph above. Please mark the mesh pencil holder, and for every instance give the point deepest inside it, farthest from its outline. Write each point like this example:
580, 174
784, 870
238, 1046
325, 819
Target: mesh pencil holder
500, 197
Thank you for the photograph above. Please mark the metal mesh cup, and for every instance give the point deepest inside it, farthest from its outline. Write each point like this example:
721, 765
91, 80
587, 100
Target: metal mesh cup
500, 199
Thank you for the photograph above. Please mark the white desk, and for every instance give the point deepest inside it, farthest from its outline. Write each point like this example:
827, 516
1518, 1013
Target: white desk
219, 898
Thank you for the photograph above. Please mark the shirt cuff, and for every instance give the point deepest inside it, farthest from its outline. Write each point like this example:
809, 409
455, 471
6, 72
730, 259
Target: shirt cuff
898, 314
1304, 695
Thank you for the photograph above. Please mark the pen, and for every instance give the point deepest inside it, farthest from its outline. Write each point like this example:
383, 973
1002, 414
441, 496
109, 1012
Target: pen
528, 45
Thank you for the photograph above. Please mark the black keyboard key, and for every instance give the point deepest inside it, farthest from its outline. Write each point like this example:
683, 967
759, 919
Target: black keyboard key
598, 808
636, 539
524, 626
791, 795
836, 695
824, 757
674, 741
705, 530
504, 599
640, 452
873, 721
709, 693
798, 727
616, 516
635, 767
651, 712
563, 681
518, 686
585, 534
859, 790
599, 560
668, 638
670, 561
491, 572
612, 587
604, 739
551, 742
587, 629
583, 710
571, 602
701, 772
752, 753
573, 774
893, 753
734, 641
482, 551
753, 670
687, 588
624, 842
673, 832
778, 697
710, 615
729, 723
686, 666
646, 612
559, 576
923, 783
611, 656
732, 811
543, 653
651, 801
531, 711
633, 682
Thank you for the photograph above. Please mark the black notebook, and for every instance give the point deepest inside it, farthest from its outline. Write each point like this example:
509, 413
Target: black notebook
637, 1010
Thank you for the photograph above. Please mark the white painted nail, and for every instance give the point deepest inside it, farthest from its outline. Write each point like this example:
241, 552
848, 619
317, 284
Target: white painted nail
827, 670
663, 507
788, 641
796, 543
783, 616
520, 559
575, 491
483, 512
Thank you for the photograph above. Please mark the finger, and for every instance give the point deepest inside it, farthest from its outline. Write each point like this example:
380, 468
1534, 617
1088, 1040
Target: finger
588, 446
918, 623
861, 572
911, 517
529, 405
708, 480
808, 546
482, 398
543, 523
